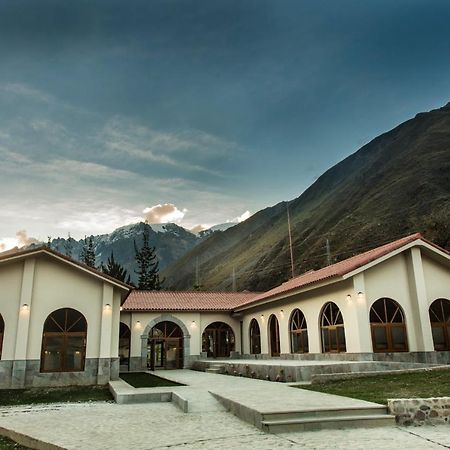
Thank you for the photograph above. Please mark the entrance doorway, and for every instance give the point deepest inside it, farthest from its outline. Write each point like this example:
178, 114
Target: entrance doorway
165, 346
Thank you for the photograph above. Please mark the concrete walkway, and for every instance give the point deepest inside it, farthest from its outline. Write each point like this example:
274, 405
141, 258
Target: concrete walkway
102, 425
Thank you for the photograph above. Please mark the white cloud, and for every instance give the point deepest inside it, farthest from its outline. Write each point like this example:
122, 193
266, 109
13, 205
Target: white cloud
244, 216
20, 240
174, 149
164, 213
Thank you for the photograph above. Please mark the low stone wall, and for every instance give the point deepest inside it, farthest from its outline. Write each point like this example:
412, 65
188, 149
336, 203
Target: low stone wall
26, 373
420, 411
323, 378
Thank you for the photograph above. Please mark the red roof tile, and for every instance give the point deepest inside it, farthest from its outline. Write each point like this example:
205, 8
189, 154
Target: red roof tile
185, 301
337, 270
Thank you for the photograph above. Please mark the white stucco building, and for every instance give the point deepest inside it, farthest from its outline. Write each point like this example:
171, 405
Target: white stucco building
62, 322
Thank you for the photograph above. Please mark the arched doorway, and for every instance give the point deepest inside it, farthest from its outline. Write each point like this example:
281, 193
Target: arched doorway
332, 329
255, 338
274, 336
218, 340
387, 323
124, 344
440, 324
64, 341
299, 332
165, 346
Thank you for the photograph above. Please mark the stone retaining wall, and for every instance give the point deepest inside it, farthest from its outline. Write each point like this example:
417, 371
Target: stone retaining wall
420, 411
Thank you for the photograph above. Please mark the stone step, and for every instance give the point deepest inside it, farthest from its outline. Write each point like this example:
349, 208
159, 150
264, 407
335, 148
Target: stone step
213, 370
323, 413
325, 423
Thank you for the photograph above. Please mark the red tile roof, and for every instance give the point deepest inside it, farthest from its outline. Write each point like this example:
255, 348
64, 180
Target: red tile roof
229, 301
185, 301
337, 270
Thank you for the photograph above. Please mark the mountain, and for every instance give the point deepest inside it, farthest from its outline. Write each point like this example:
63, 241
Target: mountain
171, 242
396, 184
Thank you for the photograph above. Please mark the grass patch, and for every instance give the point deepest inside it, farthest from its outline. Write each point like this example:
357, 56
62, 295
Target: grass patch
142, 379
378, 389
10, 397
8, 444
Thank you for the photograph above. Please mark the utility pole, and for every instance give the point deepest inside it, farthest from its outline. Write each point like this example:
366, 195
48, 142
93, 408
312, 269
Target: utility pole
328, 253
197, 281
233, 280
290, 239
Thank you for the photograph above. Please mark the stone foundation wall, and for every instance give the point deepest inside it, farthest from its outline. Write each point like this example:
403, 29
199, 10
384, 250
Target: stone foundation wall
26, 373
420, 411
407, 357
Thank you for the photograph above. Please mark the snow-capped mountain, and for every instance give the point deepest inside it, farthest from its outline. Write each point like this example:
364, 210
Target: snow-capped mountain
170, 241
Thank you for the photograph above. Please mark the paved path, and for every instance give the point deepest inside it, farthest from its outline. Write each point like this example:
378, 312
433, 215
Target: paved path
102, 425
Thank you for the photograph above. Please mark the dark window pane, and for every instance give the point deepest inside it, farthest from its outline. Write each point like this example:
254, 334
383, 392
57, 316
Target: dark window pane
53, 353
74, 360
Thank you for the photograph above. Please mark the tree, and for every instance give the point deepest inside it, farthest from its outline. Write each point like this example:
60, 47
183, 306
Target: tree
148, 265
115, 270
68, 246
87, 254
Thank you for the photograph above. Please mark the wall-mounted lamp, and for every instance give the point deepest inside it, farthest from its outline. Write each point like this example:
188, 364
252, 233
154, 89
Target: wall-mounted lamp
25, 307
121, 308
262, 316
360, 295
349, 297
107, 306
138, 323
193, 323
281, 312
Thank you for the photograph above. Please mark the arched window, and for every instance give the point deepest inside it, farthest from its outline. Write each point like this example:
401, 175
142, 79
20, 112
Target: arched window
255, 338
64, 341
2, 331
274, 336
332, 329
218, 340
387, 323
124, 344
440, 324
299, 333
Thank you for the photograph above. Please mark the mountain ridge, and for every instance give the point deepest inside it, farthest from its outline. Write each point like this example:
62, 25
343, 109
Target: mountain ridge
396, 184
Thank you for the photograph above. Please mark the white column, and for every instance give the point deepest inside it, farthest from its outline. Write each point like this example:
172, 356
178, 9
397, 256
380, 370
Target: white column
419, 301
283, 323
362, 337
104, 362
23, 323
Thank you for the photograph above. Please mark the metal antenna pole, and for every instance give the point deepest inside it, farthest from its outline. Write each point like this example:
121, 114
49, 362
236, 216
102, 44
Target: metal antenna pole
233, 280
328, 253
290, 239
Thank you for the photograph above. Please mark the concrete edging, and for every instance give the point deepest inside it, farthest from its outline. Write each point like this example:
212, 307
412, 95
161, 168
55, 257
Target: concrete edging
28, 441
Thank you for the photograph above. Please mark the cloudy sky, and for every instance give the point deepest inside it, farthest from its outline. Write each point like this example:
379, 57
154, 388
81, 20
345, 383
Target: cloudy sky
208, 108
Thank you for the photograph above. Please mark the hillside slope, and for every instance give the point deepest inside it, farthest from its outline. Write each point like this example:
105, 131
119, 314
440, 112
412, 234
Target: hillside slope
396, 184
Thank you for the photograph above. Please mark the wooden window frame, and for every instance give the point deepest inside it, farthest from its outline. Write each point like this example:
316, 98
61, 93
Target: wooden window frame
66, 335
274, 340
387, 322
335, 322
298, 326
442, 323
253, 336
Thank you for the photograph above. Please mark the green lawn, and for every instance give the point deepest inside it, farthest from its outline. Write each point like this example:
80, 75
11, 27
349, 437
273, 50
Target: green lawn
10, 397
142, 379
379, 388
